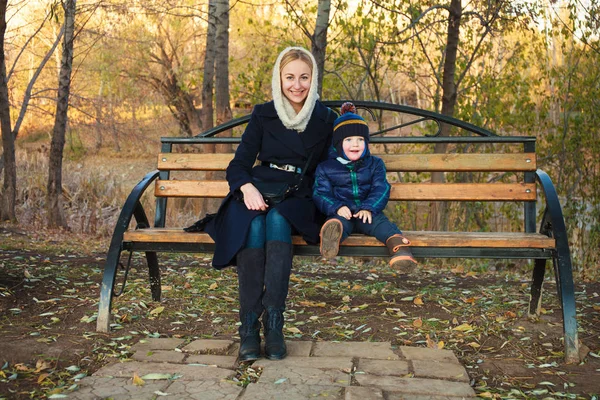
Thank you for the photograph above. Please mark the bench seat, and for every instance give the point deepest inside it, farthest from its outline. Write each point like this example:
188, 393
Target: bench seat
514, 240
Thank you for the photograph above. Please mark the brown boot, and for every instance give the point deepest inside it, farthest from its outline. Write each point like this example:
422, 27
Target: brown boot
331, 233
402, 258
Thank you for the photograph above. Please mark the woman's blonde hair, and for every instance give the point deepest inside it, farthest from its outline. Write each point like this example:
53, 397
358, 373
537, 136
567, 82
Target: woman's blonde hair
293, 55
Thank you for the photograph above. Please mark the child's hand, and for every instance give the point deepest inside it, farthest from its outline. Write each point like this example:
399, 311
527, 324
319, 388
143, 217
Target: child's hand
345, 212
365, 215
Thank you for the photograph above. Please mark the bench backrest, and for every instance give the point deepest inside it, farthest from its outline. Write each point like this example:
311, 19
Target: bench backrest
426, 191
492, 169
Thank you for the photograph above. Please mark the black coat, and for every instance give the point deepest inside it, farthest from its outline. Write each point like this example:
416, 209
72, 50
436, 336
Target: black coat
267, 139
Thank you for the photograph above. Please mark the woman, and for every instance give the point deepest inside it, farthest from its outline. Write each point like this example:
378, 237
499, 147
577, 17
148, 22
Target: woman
283, 135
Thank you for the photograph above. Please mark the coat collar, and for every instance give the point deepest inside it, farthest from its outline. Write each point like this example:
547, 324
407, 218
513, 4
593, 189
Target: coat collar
316, 131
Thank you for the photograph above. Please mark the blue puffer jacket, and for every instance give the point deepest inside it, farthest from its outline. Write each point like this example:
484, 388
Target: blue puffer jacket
360, 185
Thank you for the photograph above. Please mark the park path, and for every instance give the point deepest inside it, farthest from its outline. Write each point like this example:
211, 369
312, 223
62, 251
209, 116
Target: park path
204, 370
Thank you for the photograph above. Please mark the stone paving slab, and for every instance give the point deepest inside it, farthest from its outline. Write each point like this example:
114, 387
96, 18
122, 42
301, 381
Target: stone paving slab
420, 386
375, 350
443, 370
422, 353
383, 367
187, 372
157, 344
169, 356
363, 393
338, 363
204, 369
92, 388
304, 376
209, 346
203, 390
227, 362
260, 391
404, 396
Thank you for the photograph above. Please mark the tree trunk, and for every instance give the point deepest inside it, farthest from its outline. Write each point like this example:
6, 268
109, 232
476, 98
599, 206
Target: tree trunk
9, 188
222, 72
209, 72
437, 216
54, 204
319, 39
99, 117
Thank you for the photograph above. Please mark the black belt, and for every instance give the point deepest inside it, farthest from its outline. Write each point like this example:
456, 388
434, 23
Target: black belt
282, 167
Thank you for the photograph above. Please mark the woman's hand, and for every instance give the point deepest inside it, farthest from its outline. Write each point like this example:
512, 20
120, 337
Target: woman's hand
365, 215
345, 212
252, 198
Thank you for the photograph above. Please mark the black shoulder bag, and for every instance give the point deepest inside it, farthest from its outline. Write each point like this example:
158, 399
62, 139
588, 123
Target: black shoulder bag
275, 192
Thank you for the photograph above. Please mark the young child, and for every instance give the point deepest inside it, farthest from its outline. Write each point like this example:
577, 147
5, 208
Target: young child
351, 189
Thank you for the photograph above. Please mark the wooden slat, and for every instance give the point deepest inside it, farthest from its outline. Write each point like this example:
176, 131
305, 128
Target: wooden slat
463, 191
459, 162
394, 162
206, 189
417, 238
194, 161
400, 191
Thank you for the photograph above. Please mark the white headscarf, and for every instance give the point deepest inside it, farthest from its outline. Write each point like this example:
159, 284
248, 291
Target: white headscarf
285, 111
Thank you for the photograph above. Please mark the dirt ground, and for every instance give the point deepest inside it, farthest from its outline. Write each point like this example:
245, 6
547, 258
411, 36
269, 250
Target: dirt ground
49, 289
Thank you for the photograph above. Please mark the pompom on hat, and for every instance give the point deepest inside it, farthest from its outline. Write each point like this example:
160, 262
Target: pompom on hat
349, 124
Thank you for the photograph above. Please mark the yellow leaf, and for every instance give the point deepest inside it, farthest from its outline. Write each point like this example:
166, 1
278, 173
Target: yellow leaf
2, 374
41, 378
157, 310
41, 365
166, 288
346, 299
430, 342
486, 395
21, 367
463, 328
441, 344
293, 329
137, 381
418, 301
474, 345
454, 321
458, 270
417, 323
213, 286
356, 287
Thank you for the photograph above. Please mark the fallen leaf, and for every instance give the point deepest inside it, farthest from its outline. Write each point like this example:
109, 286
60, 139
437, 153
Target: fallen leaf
418, 301
137, 381
41, 365
474, 345
156, 376
213, 286
157, 310
294, 330
463, 328
41, 378
417, 323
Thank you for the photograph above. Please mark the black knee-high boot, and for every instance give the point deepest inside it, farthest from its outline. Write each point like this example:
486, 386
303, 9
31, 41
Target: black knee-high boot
251, 272
278, 266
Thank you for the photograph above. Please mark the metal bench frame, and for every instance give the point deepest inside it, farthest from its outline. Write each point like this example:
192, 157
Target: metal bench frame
552, 224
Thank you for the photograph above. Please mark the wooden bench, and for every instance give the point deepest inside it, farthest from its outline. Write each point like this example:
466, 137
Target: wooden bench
508, 174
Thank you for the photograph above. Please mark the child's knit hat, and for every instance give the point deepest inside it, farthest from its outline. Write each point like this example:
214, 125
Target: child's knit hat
349, 124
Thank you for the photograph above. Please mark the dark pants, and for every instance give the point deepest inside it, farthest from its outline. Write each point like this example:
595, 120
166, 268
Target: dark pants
381, 227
